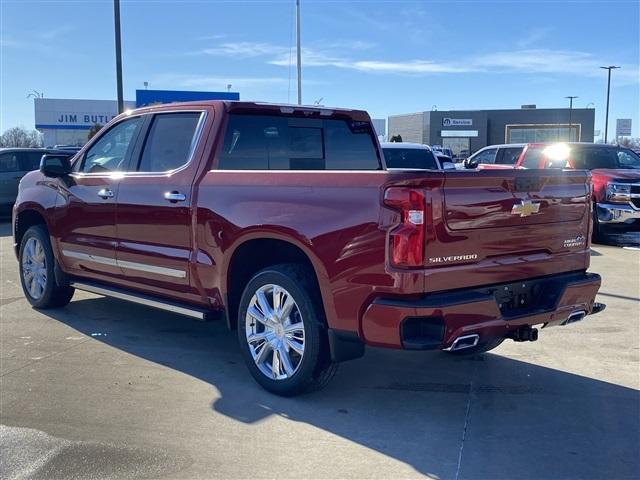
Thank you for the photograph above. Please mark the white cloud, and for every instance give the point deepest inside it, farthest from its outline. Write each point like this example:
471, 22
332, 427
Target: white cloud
533, 36
244, 49
55, 32
530, 61
217, 83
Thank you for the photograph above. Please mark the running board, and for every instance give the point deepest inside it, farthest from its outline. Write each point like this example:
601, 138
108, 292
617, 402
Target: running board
142, 299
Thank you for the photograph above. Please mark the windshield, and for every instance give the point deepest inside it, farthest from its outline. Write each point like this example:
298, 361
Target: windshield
590, 158
410, 158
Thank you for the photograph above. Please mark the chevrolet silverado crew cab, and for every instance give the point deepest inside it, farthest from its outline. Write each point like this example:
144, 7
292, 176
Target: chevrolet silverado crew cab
284, 221
615, 175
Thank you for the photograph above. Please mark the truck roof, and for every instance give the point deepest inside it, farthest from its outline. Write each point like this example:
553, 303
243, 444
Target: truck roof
283, 108
408, 145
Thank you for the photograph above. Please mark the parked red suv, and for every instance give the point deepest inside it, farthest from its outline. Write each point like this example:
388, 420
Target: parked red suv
615, 173
285, 221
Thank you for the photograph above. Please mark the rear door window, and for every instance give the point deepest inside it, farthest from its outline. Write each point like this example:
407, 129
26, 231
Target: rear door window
509, 156
28, 161
170, 141
270, 142
532, 157
8, 162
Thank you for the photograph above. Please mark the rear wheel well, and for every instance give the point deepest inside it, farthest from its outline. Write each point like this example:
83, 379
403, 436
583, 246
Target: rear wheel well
255, 255
25, 220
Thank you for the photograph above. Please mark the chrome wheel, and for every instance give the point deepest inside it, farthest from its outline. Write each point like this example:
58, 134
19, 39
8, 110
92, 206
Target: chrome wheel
34, 268
275, 332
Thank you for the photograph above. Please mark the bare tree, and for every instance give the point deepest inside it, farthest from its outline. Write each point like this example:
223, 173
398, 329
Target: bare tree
20, 137
630, 142
95, 128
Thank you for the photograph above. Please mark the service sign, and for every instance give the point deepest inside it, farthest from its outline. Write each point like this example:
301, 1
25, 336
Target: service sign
457, 122
623, 127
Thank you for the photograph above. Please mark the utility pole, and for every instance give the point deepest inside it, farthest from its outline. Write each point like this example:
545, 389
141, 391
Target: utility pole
570, 97
606, 121
116, 19
299, 52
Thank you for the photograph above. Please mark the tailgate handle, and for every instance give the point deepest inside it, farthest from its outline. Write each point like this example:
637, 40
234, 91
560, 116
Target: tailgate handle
527, 184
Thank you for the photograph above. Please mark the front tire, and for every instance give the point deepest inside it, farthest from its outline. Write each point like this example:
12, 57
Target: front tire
37, 271
597, 234
282, 334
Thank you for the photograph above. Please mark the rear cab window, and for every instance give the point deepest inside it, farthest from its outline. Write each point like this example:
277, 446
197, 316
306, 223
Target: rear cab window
273, 142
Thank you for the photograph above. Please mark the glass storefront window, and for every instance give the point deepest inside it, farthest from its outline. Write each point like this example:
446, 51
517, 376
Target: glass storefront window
543, 134
456, 144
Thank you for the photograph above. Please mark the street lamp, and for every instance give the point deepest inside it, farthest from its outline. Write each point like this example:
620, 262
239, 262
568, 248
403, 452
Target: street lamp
570, 97
606, 117
116, 21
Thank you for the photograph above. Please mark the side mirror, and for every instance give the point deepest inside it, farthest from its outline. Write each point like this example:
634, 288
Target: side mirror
448, 166
470, 163
55, 165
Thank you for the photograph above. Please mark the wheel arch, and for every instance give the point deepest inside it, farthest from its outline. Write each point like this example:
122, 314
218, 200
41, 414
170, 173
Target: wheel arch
24, 219
247, 258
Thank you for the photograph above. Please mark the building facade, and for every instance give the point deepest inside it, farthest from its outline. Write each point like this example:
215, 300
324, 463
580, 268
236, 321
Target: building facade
68, 121
470, 130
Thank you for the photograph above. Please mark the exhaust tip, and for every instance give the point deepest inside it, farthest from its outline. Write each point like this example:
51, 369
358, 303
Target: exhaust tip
465, 341
575, 316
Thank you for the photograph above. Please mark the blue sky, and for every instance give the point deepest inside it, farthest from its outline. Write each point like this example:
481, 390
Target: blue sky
385, 57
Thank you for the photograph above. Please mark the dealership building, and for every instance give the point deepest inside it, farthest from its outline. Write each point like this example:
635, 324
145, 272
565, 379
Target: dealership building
67, 121
471, 130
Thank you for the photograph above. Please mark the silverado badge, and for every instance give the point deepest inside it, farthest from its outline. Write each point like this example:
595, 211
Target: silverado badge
525, 208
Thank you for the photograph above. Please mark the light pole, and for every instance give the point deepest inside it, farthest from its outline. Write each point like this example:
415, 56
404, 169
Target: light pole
606, 117
116, 20
298, 52
570, 97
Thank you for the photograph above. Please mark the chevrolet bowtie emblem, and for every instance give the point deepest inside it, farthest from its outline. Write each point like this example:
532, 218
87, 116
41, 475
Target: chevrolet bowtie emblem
525, 208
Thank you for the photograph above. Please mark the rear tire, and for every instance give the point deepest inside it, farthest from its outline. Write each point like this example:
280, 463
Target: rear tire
282, 331
482, 347
37, 277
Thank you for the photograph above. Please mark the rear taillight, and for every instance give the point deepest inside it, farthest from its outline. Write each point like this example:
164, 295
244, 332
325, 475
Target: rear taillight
407, 238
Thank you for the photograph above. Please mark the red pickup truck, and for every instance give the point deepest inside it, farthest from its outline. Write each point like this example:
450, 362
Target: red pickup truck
284, 221
615, 173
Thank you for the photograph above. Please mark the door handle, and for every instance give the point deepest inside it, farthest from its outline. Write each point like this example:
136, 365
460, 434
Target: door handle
105, 193
174, 196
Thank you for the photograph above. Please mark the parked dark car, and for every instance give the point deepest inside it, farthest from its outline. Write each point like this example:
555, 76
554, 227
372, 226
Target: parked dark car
409, 156
14, 164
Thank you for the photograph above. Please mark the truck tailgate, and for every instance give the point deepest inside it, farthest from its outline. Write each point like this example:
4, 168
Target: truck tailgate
495, 225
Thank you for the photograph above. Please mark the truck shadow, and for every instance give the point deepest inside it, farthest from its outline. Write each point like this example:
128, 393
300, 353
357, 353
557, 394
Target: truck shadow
520, 420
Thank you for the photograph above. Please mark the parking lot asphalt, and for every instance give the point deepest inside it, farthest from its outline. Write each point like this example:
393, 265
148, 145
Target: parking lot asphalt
106, 389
